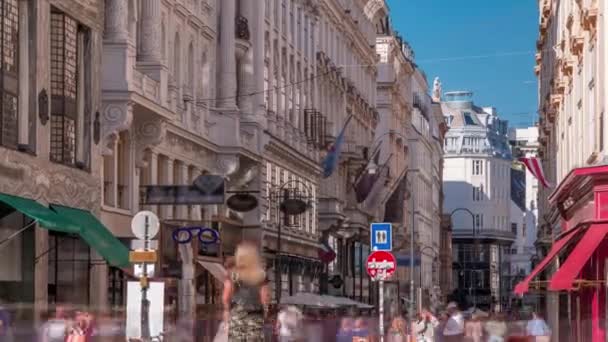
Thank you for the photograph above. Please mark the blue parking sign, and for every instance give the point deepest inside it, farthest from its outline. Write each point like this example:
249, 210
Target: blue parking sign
381, 237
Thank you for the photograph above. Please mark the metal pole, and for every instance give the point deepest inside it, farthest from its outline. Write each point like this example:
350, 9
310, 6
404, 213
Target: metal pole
278, 275
381, 309
475, 253
412, 237
145, 304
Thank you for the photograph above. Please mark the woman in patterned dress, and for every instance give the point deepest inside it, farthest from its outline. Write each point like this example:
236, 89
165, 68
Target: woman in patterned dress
246, 296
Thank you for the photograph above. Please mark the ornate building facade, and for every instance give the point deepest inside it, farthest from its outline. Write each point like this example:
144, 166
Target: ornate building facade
571, 71
477, 163
50, 147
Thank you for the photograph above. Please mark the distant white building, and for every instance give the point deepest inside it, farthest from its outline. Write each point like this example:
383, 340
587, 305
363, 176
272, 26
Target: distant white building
476, 180
524, 208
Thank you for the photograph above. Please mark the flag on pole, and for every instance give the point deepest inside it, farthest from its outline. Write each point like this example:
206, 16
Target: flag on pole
326, 254
365, 183
330, 162
535, 167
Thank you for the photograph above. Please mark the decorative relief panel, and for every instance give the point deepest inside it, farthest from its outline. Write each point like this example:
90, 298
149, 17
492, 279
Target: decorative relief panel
48, 182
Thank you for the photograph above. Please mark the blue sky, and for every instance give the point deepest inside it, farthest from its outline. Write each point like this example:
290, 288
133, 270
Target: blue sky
449, 37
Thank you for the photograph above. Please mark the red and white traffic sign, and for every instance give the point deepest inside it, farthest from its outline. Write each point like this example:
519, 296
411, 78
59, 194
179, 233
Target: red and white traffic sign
381, 265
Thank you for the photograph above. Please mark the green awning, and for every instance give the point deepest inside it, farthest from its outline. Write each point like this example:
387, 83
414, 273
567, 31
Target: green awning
45, 216
96, 235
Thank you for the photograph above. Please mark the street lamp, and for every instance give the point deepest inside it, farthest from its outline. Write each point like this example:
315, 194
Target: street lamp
372, 167
294, 197
473, 294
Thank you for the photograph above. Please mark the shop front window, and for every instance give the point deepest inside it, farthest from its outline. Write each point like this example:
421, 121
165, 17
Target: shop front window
69, 265
16, 257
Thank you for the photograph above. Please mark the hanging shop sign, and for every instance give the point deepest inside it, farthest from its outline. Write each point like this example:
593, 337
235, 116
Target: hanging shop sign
207, 189
242, 202
206, 236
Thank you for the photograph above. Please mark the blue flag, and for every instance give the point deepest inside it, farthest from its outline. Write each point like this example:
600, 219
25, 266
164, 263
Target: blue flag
330, 162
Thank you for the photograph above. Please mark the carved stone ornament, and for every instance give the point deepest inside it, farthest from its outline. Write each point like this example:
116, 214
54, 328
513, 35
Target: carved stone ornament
43, 107
116, 117
226, 164
149, 133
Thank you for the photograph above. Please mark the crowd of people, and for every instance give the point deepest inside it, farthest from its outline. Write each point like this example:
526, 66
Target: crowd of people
246, 300
249, 316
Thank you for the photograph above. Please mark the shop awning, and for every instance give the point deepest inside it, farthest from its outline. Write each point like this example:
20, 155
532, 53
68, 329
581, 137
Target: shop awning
96, 235
215, 268
43, 215
567, 273
523, 286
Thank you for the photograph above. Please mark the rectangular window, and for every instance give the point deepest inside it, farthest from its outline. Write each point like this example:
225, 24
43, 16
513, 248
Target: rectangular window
523, 230
477, 167
514, 228
478, 220
292, 22
284, 17
9, 66
67, 78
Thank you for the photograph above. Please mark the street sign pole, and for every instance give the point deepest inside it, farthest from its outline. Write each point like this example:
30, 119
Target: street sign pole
381, 307
145, 304
145, 226
380, 266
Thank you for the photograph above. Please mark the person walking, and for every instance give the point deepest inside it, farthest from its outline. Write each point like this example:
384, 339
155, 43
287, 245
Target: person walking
496, 328
473, 328
424, 327
245, 296
398, 331
538, 329
454, 327
55, 328
289, 324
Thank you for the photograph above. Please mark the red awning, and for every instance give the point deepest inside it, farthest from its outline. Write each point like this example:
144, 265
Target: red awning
569, 270
523, 286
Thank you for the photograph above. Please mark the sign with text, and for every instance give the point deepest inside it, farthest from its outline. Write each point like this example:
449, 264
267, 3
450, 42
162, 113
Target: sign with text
381, 265
207, 189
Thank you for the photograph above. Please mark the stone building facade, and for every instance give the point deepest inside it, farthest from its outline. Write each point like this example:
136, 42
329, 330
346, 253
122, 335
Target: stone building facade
50, 148
571, 71
477, 162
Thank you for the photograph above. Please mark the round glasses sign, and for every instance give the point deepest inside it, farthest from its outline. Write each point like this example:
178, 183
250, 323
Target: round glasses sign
206, 236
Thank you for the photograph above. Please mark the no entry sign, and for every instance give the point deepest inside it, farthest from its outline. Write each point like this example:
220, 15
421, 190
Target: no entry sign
381, 265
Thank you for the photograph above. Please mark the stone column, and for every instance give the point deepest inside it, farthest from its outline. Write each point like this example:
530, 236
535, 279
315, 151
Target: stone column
167, 165
181, 211
152, 176
227, 65
150, 50
116, 26
247, 70
196, 209
258, 56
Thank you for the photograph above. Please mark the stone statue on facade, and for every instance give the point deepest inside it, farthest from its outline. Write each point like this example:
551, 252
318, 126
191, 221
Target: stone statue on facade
436, 90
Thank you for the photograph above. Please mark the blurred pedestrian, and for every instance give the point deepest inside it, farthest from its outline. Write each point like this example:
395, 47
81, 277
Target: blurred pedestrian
361, 331
538, 329
56, 326
397, 331
289, 321
473, 328
244, 296
454, 327
441, 322
345, 331
496, 328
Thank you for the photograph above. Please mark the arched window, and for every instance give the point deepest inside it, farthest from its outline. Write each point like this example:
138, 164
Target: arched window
163, 40
177, 61
190, 76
